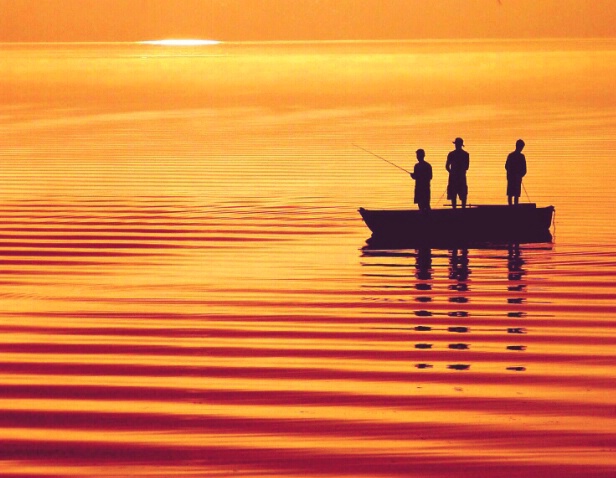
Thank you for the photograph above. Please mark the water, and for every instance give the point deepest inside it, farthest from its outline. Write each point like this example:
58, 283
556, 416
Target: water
185, 291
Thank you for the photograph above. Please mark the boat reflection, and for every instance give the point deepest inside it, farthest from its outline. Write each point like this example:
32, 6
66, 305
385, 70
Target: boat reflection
479, 294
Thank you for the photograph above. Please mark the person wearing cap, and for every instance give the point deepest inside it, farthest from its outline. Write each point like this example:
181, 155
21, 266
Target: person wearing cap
422, 174
457, 164
516, 170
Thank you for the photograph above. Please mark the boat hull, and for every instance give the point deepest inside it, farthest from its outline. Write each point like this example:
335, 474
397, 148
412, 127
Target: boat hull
523, 223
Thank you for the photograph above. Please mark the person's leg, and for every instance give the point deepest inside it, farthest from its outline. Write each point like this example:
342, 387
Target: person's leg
510, 200
516, 200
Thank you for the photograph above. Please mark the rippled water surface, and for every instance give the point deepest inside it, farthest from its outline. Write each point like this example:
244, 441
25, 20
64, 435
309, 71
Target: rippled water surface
185, 288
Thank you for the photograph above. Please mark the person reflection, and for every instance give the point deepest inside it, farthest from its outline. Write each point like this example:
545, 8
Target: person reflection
423, 273
459, 272
515, 263
423, 264
458, 265
515, 275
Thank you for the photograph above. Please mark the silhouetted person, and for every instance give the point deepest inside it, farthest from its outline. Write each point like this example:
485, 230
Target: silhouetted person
422, 174
516, 170
457, 165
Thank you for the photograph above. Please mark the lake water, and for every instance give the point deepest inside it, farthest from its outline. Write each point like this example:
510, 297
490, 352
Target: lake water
185, 291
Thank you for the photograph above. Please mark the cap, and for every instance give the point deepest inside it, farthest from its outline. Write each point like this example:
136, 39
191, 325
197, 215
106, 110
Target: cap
458, 141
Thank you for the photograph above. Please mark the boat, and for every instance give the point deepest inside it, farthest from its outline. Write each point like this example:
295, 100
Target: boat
476, 224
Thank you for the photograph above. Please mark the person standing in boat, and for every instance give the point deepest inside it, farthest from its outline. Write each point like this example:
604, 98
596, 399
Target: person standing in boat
516, 170
457, 164
422, 174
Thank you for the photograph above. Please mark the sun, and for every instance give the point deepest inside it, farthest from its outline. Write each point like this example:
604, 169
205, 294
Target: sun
180, 42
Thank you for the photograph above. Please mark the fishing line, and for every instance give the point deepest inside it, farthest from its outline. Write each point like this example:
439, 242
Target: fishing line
380, 157
525, 192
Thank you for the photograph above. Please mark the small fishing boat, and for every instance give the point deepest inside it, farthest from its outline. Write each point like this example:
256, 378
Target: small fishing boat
477, 224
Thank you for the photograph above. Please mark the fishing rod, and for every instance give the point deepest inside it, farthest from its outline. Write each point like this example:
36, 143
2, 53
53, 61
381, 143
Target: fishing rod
380, 157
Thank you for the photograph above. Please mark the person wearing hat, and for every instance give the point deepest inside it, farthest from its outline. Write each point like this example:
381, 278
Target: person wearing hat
457, 164
516, 170
422, 174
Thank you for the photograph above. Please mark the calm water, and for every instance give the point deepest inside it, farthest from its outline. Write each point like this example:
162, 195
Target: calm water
185, 292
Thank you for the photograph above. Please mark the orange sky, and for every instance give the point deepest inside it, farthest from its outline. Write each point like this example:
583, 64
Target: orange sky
128, 20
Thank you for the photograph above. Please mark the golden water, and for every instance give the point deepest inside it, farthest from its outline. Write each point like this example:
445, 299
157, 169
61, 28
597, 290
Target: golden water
184, 290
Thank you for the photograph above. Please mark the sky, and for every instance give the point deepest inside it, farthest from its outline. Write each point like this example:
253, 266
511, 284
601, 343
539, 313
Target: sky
280, 20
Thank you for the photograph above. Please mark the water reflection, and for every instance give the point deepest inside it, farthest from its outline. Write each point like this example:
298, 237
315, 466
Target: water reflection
423, 274
459, 273
423, 266
446, 300
458, 269
515, 263
517, 289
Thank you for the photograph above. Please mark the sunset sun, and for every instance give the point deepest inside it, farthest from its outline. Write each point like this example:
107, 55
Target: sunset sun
181, 42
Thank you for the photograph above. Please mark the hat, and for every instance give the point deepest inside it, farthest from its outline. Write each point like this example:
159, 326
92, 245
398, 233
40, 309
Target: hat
458, 140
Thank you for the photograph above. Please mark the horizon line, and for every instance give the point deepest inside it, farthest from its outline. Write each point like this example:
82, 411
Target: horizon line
214, 42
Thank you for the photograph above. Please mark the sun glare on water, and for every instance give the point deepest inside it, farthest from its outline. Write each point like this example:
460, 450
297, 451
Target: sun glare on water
181, 42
